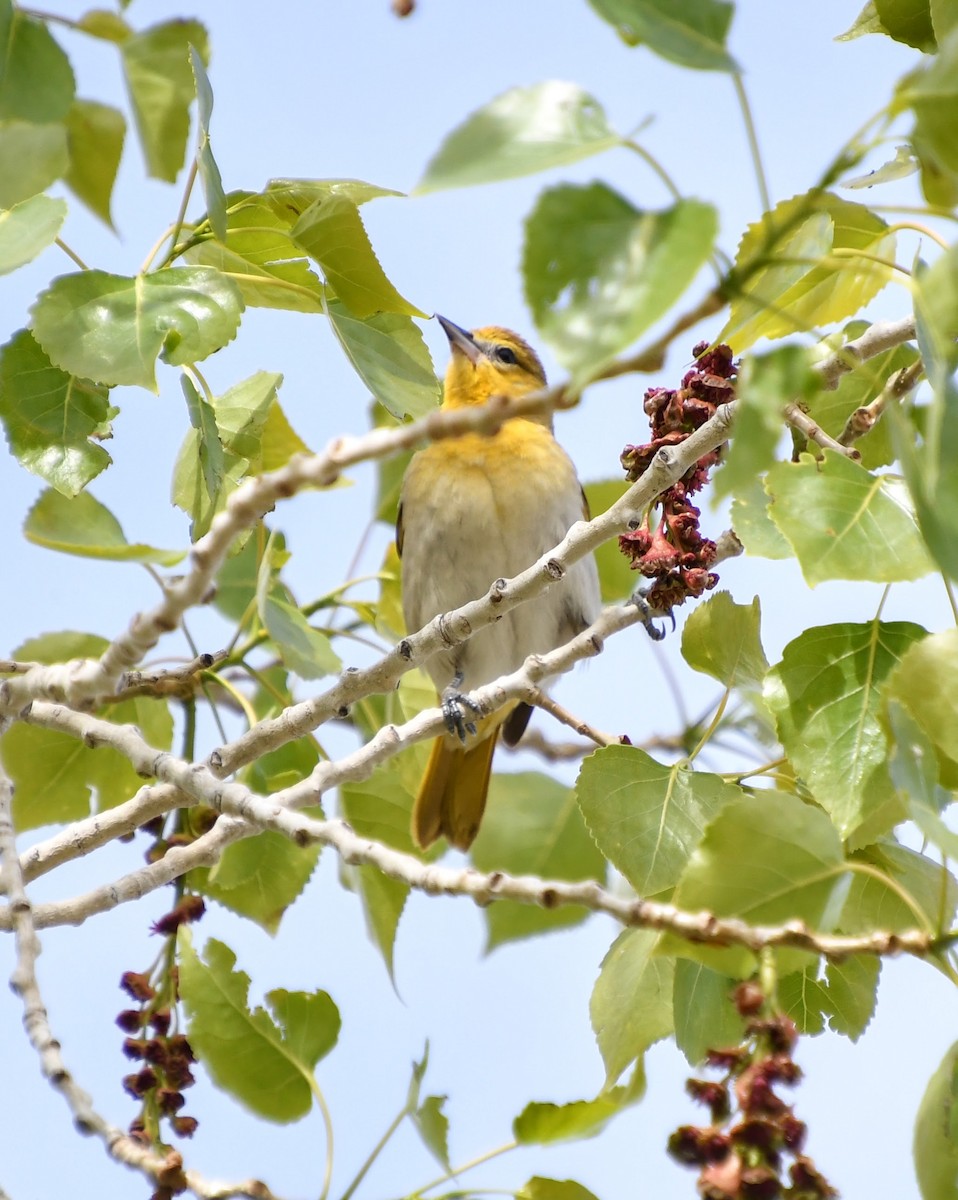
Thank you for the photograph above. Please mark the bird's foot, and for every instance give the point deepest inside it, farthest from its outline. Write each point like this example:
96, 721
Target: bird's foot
455, 708
655, 632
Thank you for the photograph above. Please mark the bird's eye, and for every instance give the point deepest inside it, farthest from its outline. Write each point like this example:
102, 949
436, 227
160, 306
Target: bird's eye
506, 354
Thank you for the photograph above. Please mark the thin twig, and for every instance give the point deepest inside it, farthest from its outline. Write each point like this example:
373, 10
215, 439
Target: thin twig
902, 383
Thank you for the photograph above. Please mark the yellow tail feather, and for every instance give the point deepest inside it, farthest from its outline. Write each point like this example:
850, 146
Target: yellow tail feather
452, 795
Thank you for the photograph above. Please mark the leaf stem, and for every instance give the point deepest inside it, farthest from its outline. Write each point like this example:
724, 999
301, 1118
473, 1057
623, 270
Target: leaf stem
181, 215
713, 724
71, 254
328, 1123
375, 1152
473, 1162
653, 163
751, 135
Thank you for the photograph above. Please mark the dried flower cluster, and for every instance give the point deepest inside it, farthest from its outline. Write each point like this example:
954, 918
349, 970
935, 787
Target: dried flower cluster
153, 1040
675, 554
742, 1155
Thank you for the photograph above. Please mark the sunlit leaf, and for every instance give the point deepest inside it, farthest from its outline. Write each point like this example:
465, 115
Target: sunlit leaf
767, 383
691, 34
646, 817
104, 24
112, 328
900, 167
390, 357
598, 271
27, 229
31, 158
267, 266
36, 80
209, 172
926, 685
332, 233
263, 1059
83, 526
787, 857
53, 421
631, 1004
156, 63
928, 464
813, 260
936, 1132
524, 130
722, 639
56, 776
532, 827
901, 890
290, 198
541, 1123
703, 1012
826, 697
844, 522
95, 136
540, 1188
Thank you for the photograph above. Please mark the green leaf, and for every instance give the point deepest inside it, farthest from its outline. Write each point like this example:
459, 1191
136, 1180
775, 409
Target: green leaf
540, 1188
631, 1004
390, 357
267, 266
928, 466
27, 229
944, 18
36, 80
156, 64
54, 775
788, 865
209, 172
541, 1123
866, 22
302, 648
598, 272
845, 523
525, 130
723, 639
788, 277
52, 420
832, 408
826, 696
936, 1132
266, 1062
851, 993
647, 818
112, 328
332, 233
907, 21
754, 527
904, 163
83, 526
705, 1017
95, 136
617, 580
926, 685
104, 24
203, 420
290, 198
31, 158
766, 384
433, 1126
533, 827
691, 34
902, 890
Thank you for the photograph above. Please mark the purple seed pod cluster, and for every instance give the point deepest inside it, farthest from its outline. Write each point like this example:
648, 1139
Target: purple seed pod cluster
674, 554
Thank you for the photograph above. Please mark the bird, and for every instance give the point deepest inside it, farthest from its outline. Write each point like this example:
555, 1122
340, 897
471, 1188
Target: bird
473, 509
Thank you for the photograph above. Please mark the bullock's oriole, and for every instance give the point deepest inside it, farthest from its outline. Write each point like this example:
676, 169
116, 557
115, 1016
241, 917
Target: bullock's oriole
472, 509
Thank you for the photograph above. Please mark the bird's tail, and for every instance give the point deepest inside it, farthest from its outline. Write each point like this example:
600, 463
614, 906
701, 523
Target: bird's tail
452, 795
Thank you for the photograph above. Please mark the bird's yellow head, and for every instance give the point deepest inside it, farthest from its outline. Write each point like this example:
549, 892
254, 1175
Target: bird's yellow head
491, 361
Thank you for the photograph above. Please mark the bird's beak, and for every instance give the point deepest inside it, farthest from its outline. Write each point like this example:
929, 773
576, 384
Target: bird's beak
461, 340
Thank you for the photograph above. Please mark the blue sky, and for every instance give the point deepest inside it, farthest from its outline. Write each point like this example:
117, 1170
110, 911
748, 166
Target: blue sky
323, 90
